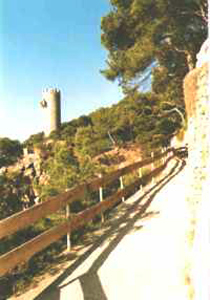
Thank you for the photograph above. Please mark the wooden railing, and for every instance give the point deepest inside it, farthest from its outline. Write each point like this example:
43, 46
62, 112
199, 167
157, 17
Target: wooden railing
25, 218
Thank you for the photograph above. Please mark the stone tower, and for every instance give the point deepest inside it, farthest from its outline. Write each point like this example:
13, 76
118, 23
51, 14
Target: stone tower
51, 103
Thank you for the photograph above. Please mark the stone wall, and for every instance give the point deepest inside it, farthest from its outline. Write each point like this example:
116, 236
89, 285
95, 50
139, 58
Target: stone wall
197, 101
198, 131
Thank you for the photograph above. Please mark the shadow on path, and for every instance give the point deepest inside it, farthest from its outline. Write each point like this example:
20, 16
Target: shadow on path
90, 282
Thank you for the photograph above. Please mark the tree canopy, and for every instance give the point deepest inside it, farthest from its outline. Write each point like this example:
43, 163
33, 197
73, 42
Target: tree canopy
10, 150
137, 32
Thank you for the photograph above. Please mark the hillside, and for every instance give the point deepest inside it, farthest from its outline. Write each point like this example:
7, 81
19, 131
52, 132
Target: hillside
106, 139
138, 118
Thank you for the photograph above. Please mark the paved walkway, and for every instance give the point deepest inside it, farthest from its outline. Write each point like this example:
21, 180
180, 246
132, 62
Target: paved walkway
140, 255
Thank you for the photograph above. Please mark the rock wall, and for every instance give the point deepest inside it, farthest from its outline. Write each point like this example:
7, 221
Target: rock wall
198, 133
197, 101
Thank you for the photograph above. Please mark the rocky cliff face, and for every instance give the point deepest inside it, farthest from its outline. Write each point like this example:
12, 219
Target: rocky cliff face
26, 173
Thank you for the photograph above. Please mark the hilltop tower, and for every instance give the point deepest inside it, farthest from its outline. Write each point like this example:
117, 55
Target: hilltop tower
51, 103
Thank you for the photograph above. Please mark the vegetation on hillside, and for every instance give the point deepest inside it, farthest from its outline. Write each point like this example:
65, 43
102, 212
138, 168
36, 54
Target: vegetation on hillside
10, 151
68, 153
136, 118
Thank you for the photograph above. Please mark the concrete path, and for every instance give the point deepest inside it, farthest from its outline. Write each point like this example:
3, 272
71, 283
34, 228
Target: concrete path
140, 255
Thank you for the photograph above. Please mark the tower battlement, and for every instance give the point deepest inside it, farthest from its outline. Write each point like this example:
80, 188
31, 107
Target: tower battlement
51, 91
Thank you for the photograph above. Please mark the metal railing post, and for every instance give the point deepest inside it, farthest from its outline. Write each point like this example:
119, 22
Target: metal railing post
152, 167
101, 198
140, 176
169, 153
163, 159
122, 187
68, 236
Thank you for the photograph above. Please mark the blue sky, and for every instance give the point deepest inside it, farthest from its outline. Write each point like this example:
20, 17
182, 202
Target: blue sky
50, 43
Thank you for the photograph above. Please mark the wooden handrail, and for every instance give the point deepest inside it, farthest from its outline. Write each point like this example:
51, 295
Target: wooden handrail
27, 217
24, 252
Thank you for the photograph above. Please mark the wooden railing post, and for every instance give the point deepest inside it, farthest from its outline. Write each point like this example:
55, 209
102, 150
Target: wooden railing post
68, 236
101, 198
122, 186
